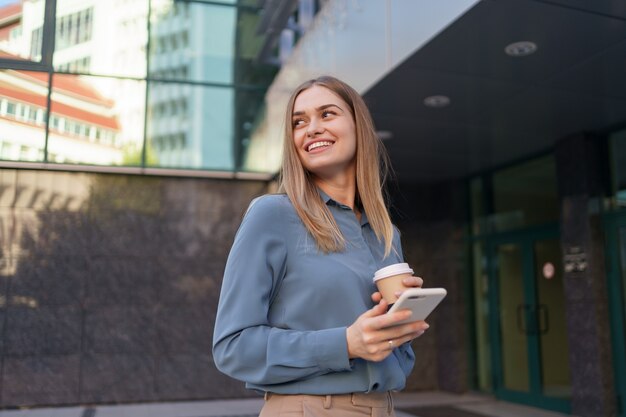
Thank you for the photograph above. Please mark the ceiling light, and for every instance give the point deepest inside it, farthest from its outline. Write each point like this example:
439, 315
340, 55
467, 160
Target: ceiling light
437, 101
522, 48
384, 134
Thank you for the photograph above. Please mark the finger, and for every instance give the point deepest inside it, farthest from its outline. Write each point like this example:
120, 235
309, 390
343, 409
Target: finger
403, 331
413, 282
389, 320
416, 335
416, 326
410, 338
376, 297
377, 310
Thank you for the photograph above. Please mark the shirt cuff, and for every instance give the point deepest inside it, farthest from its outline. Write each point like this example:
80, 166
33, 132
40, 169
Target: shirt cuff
331, 348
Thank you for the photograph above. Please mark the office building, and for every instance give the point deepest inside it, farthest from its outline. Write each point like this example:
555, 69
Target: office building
506, 126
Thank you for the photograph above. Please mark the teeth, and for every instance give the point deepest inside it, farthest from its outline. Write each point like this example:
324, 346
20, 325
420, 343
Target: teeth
319, 144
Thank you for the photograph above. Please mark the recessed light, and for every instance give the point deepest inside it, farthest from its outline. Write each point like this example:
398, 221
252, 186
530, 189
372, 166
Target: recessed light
523, 48
384, 134
437, 101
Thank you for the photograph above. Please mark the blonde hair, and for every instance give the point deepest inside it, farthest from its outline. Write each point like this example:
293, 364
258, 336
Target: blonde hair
372, 169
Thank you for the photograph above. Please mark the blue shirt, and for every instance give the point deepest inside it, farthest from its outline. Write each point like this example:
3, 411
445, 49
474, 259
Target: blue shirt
285, 306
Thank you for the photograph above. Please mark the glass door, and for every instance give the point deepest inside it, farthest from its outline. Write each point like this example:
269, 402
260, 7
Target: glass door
615, 227
528, 327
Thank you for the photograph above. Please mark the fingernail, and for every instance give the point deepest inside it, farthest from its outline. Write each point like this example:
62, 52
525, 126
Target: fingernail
425, 326
397, 293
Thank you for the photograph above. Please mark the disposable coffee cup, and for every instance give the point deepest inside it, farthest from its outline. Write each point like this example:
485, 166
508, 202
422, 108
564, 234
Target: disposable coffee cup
388, 280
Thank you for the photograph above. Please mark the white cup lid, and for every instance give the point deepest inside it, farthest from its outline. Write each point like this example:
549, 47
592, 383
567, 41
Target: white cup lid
391, 270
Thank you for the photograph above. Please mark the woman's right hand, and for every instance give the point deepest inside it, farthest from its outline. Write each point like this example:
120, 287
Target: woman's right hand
373, 335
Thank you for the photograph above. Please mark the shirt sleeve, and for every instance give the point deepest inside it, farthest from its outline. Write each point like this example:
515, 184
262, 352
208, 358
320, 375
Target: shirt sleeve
406, 358
245, 345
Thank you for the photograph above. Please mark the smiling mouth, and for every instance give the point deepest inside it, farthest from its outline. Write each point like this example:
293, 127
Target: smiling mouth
318, 145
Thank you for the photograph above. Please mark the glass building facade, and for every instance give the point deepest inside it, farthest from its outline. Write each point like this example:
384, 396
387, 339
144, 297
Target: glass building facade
160, 84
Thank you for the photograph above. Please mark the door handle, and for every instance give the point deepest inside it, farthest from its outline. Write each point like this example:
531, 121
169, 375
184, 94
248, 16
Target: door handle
520, 319
544, 326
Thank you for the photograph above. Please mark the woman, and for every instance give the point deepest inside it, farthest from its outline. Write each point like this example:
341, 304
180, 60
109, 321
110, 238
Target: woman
295, 318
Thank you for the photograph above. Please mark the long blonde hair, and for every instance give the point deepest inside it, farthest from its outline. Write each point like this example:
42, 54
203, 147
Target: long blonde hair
372, 168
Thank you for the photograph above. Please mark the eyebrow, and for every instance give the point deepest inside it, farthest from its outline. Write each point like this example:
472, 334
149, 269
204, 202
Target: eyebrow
320, 108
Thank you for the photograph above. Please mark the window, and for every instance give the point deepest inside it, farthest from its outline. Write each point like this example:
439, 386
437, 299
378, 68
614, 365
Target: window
54, 122
11, 109
15, 33
6, 152
24, 153
36, 42
515, 197
73, 29
23, 111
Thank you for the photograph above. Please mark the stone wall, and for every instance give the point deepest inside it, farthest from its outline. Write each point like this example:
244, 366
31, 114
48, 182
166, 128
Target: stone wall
432, 221
109, 286
581, 173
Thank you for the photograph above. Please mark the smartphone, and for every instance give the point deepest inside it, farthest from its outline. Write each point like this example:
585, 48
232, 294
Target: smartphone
421, 301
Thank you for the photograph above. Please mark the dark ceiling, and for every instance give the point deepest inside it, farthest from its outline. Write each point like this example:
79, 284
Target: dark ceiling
504, 108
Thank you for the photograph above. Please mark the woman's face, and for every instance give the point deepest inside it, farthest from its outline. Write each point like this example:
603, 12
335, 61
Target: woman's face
324, 132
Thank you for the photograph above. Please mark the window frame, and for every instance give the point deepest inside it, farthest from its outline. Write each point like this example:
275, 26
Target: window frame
47, 45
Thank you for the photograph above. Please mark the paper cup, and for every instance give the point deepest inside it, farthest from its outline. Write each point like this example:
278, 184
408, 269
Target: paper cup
388, 280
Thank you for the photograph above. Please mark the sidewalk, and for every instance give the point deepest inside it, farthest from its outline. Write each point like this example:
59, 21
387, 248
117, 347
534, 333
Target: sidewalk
422, 404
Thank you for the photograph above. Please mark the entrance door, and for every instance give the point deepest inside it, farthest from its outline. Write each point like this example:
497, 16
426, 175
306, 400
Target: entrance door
616, 250
528, 327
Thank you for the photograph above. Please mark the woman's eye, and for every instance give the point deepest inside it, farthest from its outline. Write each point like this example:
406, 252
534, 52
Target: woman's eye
297, 122
328, 113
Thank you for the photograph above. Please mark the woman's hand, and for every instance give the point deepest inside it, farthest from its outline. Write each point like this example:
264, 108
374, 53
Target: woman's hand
409, 282
374, 335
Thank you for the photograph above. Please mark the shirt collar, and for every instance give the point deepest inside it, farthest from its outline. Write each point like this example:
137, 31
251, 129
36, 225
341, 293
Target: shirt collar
330, 202
325, 197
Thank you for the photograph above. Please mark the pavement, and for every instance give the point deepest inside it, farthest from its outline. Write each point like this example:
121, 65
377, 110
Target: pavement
408, 404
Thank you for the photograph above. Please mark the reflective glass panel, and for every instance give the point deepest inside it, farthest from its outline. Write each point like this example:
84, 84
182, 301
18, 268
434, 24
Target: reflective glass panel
250, 108
21, 29
96, 120
206, 43
245, 3
513, 323
525, 195
622, 257
191, 126
617, 143
249, 3
102, 37
23, 98
481, 304
477, 205
551, 321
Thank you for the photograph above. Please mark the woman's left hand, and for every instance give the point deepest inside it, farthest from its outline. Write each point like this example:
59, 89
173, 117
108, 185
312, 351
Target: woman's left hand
409, 282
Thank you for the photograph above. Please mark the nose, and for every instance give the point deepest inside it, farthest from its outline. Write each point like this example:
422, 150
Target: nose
314, 128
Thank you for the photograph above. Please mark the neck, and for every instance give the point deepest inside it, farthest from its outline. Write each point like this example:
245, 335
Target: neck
341, 189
